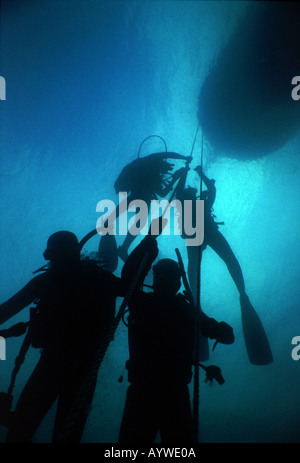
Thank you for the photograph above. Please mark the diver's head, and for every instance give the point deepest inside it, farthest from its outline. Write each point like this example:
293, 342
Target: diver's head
62, 248
166, 277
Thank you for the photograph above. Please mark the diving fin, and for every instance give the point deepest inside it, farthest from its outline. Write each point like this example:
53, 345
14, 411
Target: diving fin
108, 252
256, 341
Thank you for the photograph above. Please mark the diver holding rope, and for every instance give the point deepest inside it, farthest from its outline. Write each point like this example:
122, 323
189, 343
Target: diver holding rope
161, 329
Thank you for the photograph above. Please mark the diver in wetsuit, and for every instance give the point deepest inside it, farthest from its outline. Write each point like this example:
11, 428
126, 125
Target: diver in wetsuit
212, 235
76, 306
145, 179
161, 329
257, 344
214, 238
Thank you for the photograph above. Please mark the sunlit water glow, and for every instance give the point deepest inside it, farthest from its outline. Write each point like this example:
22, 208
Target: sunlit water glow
86, 83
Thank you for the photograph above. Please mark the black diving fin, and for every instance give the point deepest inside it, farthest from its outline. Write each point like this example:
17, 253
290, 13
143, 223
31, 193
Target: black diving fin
256, 341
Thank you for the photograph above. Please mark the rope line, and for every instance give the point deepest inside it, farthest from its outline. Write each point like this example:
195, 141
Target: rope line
197, 333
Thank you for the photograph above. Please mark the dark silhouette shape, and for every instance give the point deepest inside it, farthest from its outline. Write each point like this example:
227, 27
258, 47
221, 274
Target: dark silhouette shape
6, 414
212, 236
76, 306
161, 328
257, 344
146, 179
213, 372
245, 106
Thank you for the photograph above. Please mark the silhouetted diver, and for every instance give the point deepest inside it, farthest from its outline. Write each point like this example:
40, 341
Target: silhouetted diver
161, 328
76, 306
257, 344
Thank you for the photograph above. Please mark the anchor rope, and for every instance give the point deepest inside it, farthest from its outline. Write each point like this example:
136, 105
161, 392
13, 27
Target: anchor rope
196, 396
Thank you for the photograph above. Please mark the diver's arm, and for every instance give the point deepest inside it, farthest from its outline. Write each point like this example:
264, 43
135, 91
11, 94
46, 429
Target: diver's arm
170, 155
210, 185
211, 193
220, 331
180, 187
178, 174
20, 300
208, 182
113, 284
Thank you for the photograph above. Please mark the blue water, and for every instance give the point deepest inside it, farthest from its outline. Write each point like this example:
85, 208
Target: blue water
86, 83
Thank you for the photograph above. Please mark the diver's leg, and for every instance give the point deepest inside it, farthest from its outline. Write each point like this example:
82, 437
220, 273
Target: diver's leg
176, 421
36, 398
220, 245
67, 400
139, 422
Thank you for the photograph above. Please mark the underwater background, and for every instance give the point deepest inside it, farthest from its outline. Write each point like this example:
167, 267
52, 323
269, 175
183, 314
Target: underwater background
86, 83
